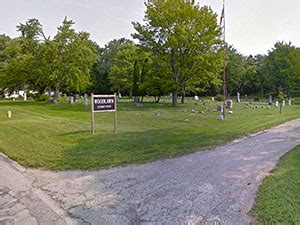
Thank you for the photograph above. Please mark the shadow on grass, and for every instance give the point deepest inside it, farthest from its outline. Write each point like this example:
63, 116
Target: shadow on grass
80, 132
21, 103
105, 150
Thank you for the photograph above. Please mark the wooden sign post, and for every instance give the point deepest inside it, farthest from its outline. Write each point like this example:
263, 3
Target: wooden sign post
103, 103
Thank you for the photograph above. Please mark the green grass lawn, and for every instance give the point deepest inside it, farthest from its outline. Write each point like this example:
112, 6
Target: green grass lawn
278, 201
58, 136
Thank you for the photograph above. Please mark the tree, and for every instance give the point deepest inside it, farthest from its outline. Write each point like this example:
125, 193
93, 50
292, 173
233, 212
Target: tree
20, 53
184, 38
36, 62
5, 55
14, 65
251, 78
68, 60
235, 70
124, 67
102, 67
283, 67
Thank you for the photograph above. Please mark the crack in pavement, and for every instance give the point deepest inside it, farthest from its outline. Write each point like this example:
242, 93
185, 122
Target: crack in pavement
22, 203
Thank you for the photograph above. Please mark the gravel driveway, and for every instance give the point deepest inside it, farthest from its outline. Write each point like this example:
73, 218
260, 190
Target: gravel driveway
216, 185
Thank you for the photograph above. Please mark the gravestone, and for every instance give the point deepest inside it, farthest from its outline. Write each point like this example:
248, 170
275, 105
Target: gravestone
137, 99
184, 110
71, 100
229, 104
290, 102
283, 103
196, 98
238, 97
219, 108
221, 117
213, 99
85, 101
138, 105
277, 104
270, 100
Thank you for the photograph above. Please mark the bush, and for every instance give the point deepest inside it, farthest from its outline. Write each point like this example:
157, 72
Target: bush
219, 98
42, 98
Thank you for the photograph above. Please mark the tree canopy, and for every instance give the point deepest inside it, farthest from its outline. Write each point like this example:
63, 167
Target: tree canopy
39, 63
184, 39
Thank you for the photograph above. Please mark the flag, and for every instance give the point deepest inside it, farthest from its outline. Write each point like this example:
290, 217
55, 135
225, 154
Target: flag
222, 16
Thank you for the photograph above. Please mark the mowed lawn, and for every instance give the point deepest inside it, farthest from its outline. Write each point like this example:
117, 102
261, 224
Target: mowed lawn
58, 136
278, 201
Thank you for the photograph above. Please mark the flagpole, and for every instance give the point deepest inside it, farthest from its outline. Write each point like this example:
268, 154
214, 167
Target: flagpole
224, 63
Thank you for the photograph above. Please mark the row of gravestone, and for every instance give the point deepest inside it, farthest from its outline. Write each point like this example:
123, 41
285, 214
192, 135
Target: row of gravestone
73, 99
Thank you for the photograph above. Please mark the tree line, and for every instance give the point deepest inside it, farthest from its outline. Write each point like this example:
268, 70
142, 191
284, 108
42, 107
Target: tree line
178, 50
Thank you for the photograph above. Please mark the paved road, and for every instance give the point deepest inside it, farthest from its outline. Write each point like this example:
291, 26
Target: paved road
217, 185
22, 203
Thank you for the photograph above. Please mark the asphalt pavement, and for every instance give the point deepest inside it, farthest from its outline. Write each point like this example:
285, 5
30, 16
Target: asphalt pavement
218, 185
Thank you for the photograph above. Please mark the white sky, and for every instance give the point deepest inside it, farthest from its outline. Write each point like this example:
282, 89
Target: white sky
252, 26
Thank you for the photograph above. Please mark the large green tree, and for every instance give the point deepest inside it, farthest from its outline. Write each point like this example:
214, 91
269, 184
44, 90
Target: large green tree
73, 57
102, 68
184, 39
36, 62
283, 67
121, 75
235, 70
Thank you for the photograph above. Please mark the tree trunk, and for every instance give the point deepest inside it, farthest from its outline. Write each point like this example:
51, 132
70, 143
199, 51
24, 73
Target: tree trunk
174, 99
280, 107
158, 99
183, 94
56, 95
182, 98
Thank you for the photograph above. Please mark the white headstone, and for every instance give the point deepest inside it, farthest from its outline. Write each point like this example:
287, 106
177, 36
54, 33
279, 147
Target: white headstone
283, 103
213, 99
290, 102
71, 101
196, 98
238, 97
85, 102
229, 104
25, 96
276, 103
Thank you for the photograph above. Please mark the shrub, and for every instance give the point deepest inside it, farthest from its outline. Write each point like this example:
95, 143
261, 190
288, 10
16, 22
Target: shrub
219, 98
42, 98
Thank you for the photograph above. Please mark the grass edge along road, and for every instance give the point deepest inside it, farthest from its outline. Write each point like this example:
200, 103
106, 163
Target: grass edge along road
278, 199
43, 135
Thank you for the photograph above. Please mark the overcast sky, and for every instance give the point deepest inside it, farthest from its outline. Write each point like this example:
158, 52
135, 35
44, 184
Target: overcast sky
252, 26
